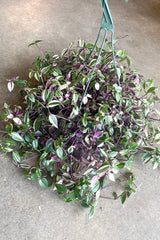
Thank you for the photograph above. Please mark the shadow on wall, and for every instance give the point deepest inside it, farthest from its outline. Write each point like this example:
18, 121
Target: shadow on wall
149, 9
155, 8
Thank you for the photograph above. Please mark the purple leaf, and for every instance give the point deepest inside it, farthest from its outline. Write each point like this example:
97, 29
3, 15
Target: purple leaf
136, 80
102, 174
97, 151
146, 131
76, 66
94, 181
79, 134
98, 135
68, 76
81, 67
55, 159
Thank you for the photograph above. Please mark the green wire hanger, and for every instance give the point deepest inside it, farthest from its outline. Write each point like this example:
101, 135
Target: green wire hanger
107, 25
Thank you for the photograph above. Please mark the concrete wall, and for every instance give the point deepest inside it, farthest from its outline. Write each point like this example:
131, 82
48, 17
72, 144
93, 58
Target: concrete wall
29, 212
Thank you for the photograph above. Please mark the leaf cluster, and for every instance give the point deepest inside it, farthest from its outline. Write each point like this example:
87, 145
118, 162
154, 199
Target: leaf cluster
79, 151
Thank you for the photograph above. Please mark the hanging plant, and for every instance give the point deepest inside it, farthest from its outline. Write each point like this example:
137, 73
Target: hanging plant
78, 152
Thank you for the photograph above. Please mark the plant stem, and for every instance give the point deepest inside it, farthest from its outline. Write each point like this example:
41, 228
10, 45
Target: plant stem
1, 131
64, 118
107, 198
155, 119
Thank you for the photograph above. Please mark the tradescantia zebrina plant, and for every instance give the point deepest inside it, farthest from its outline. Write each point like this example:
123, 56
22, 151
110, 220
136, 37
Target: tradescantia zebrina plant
78, 152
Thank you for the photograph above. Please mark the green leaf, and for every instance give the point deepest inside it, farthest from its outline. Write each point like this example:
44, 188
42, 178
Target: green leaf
64, 51
60, 188
124, 152
71, 195
130, 182
59, 152
38, 172
128, 165
94, 204
111, 131
155, 165
113, 154
26, 118
3, 116
120, 53
27, 137
84, 204
103, 168
49, 147
87, 139
133, 145
55, 56
16, 156
84, 121
81, 43
108, 119
6, 106
37, 76
104, 153
146, 155
118, 97
89, 45
121, 165
133, 190
53, 120
7, 149
117, 88
34, 176
30, 74
149, 148
129, 61
10, 142
115, 195
43, 182
32, 98
75, 97
123, 197
151, 89
91, 213
53, 103
157, 137
20, 83
50, 96
43, 156
35, 144
57, 72
92, 62
9, 128
26, 173
70, 149
36, 125
45, 69
17, 137
123, 59
37, 41
96, 187
104, 184
44, 95
77, 194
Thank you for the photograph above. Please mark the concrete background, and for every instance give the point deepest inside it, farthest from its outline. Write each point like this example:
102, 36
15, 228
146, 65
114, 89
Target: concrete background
26, 210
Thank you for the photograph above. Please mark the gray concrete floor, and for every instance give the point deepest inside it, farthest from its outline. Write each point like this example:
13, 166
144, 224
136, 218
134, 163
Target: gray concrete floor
29, 212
